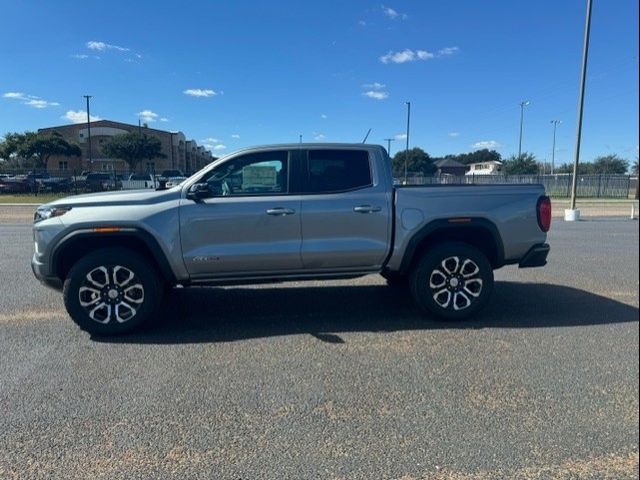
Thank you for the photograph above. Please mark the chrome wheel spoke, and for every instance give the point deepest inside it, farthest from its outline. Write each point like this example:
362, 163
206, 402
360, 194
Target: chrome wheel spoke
88, 296
118, 271
461, 301
469, 269
134, 293
442, 298
124, 312
451, 265
94, 277
101, 313
437, 279
473, 287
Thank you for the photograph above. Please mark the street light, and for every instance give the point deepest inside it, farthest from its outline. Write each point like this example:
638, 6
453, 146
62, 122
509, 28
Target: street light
574, 214
406, 156
389, 140
522, 105
553, 151
89, 130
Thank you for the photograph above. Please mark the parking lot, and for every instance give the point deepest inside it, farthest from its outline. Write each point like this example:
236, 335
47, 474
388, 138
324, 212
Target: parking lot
336, 380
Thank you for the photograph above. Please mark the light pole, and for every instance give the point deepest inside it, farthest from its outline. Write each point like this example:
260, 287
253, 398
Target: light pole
573, 214
89, 130
406, 156
300, 138
522, 105
553, 151
389, 140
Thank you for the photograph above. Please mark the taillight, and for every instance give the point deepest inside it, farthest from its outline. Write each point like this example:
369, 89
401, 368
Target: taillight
544, 213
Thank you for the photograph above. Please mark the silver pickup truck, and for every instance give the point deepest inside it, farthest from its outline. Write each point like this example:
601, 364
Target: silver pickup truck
286, 212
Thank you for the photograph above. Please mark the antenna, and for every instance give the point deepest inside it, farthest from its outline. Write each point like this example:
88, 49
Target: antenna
366, 136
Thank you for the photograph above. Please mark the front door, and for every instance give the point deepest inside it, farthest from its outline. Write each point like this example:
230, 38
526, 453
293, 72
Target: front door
248, 223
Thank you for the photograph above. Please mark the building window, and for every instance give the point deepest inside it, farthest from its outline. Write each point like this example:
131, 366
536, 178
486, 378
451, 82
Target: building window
63, 165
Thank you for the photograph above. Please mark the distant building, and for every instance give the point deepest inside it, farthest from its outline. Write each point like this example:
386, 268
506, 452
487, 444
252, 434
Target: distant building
448, 166
181, 154
491, 167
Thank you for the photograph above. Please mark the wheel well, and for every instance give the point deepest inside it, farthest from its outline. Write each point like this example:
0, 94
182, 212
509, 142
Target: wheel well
476, 236
76, 248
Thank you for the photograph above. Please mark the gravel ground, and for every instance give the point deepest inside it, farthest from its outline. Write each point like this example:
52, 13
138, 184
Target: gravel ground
336, 380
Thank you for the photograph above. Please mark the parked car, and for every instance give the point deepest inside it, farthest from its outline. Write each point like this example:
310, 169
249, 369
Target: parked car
99, 182
137, 181
286, 212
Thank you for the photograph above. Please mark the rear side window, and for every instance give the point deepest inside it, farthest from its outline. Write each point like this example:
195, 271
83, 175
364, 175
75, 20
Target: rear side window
337, 170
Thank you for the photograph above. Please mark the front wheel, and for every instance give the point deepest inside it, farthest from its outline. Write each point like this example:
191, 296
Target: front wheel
111, 291
452, 281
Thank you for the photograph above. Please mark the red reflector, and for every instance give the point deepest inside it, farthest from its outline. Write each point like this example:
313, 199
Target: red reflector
544, 213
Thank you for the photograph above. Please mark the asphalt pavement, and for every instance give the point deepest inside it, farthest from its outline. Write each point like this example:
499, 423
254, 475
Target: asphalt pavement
335, 380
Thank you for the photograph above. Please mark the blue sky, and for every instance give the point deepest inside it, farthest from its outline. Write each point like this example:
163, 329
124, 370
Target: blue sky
231, 74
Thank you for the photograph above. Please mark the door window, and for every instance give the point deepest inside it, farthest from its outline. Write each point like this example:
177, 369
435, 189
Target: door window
331, 171
264, 173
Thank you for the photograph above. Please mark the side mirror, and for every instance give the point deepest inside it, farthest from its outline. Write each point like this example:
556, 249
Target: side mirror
198, 191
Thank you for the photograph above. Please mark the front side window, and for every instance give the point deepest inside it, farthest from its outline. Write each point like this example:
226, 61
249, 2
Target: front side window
264, 173
337, 170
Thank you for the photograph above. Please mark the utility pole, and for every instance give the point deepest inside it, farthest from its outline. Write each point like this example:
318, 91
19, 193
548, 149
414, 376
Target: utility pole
300, 138
553, 151
87, 97
575, 215
406, 156
522, 105
389, 140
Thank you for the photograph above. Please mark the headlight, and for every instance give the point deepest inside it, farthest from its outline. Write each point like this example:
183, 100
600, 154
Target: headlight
44, 213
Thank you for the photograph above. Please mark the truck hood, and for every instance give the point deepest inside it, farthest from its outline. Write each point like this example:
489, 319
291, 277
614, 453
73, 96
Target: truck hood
123, 197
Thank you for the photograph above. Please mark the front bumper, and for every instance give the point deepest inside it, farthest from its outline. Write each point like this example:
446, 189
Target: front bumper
40, 270
536, 256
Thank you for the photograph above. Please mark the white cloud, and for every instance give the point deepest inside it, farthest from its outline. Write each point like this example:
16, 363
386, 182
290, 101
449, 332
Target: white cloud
323, 116
362, 23
490, 144
400, 136
235, 135
210, 140
394, 14
80, 56
164, 119
374, 86
17, 95
446, 51
39, 103
320, 137
148, 116
79, 116
102, 46
30, 100
454, 134
200, 92
219, 147
376, 95
407, 55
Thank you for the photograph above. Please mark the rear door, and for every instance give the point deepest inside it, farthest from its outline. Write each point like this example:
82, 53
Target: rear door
346, 211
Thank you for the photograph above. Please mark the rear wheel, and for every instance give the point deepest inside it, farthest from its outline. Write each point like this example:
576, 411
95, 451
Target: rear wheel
112, 291
452, 281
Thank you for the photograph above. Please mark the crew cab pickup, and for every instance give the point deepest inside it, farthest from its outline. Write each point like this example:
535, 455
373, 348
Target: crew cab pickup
286, 212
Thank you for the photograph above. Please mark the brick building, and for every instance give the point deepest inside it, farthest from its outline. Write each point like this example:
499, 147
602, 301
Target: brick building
181, 154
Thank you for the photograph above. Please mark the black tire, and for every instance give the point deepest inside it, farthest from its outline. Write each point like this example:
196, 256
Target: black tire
443, 290
137, 301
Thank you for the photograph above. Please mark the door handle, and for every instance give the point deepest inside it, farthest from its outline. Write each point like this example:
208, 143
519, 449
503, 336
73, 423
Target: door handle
280, 212
366, 209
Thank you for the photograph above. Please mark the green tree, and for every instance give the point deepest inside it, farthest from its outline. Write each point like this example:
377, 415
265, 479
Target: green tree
10, 144
42, 147
525, 164
634, 168
418, 161
610, 164
477, 156
133, 147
